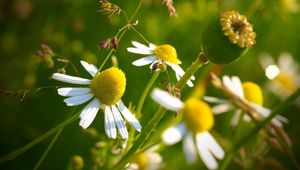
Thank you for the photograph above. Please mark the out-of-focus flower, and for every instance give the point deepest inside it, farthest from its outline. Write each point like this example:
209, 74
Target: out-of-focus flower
284, 76
194, 131
290, 5
247, 91
148, 160
105, 89
158, 55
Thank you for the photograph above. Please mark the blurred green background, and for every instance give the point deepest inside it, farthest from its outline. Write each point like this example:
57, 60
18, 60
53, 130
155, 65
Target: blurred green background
73, 29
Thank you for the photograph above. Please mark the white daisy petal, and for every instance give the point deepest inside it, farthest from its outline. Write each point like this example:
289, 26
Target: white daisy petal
236, 117
77, 100
139, 51
70, 79
152, 46
89, 113
215, 100
119, 122
140, 46
227, 82
189, 148
73, 91
90, 68
189, 83
174, 134
109, 123
214, 147
238, 88
221, 108
166, 100
206, 156
129, 116
144, 61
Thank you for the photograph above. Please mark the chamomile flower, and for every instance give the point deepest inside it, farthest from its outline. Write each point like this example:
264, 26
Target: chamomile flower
248, 91
158, 55
104, 90
194, 131
148, 160
284, 76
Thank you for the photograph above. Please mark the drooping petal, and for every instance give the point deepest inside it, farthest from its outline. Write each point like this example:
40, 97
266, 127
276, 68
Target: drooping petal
109, 123
166, 100
221, 108
70, 79
119, 122
179, 73
174, 134
206, 156
214, 147
73, 91
129, 116
215, 100
89, 113
144, 61
139, 51
77, 100
238, 88
236, 117
89, 68
227, 82
189, 148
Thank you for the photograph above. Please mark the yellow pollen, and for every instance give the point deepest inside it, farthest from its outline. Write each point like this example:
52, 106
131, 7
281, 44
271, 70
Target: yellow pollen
142, 160
109, 85
197, 115
167, 53
253, 93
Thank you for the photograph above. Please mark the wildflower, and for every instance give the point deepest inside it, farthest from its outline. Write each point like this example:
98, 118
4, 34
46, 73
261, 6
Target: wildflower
228, 38
248, 91
158, 55
148, 160
194, 131
105, 89
284, 76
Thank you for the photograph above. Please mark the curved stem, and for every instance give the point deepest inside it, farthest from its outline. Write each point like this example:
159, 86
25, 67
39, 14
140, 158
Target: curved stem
18, 152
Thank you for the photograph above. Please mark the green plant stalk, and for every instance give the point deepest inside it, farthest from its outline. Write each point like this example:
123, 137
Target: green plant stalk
146, 133
19, 151
36, 167
279, 109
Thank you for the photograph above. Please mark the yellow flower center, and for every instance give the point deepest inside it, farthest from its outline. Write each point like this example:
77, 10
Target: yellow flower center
109, 85
253, 93
197, 115
167, 53
142, 160
286, 81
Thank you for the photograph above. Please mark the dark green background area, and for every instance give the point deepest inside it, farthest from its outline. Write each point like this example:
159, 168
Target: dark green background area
73, 30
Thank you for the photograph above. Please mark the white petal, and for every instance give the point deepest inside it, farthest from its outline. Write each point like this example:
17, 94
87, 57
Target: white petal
189, 148
215, 100
227, 82
174, 134
178, 70
144, 61
221, 108
214, 147
73, 91
154, 158
119, 122
139, 51
129, 116
206, 156
152, 46
166, 100
140, 46
236, 117
89, 113
189, 83
90, 68
236, 82
109, 123
70, 79
77, 100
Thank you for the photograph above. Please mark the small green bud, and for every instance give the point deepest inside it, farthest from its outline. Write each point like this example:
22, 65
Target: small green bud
228, 38
76, 163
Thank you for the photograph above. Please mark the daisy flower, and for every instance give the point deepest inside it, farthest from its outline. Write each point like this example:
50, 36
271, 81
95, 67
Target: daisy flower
148, 160
104, 90
194, 131
158, 55
247, 91
284, 76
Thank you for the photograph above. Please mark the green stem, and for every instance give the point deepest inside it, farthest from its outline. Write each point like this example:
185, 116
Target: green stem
146, 133
279, 109
19, 151
48, 149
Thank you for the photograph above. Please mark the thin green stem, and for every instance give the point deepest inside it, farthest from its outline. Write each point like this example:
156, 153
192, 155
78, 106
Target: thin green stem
146, 133
19, 151
278, 110
36, 167
141, 35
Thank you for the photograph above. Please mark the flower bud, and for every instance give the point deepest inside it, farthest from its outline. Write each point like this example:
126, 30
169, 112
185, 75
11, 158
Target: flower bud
228, 38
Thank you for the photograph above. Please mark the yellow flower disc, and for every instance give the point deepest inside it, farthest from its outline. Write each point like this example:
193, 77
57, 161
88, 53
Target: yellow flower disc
287, 81
167, 53
253, 93
142, 160
109, 85
197, 115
